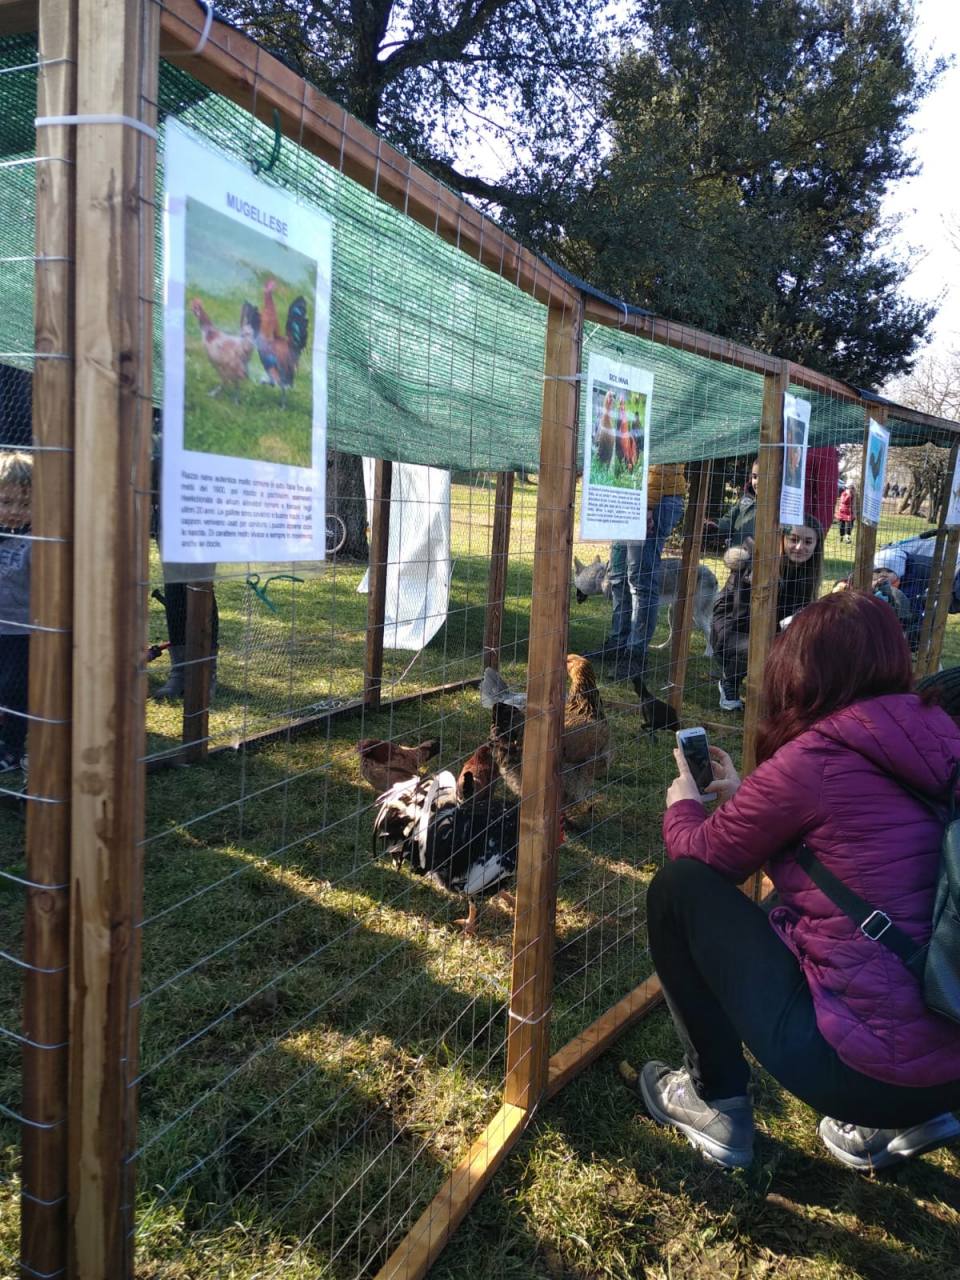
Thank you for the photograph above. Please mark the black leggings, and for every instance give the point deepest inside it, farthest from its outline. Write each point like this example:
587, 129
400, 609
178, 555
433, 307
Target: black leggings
730, 981
846, 527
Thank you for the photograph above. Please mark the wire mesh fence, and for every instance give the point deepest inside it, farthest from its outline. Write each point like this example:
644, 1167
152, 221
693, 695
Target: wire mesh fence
386, 887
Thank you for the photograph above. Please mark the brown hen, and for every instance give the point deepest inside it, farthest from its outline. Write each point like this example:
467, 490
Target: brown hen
384, 763
585, 746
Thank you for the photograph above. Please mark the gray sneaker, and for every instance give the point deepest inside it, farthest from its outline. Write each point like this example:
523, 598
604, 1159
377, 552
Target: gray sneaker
861, 1148
722, 1128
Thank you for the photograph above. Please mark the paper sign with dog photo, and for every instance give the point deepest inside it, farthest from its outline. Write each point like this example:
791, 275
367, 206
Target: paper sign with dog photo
616, 447
875, 473
796, 430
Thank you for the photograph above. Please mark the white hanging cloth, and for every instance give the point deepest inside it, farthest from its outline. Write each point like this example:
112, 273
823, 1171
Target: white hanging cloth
418, 557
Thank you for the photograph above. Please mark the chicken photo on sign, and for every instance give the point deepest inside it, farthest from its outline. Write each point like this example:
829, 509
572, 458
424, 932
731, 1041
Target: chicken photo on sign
248, 385
617, 436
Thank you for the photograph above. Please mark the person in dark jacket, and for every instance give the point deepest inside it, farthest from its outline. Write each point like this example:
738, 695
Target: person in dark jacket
801, 564
825, 1007
737, 524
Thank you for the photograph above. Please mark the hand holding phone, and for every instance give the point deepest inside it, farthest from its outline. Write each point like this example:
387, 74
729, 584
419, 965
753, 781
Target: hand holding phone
695, 748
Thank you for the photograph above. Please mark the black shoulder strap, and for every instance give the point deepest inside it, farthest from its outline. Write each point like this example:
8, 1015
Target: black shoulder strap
870, 920
876, 924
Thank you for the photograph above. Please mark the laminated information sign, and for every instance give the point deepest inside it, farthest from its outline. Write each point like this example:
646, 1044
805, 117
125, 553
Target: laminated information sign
796, 431
246, 319
616, 452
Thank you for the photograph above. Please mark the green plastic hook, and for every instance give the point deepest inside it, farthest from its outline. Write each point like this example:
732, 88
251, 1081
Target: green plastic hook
255, 164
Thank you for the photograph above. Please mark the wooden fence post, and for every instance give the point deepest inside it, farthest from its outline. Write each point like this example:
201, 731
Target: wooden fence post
117, 71
198, 670
46, 945
942, 570
377, 583
499, 562
866, 533
531, 988
698, 475
766, 555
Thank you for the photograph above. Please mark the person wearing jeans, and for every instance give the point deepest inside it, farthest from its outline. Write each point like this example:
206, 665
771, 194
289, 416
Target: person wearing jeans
834, 1015
635, 574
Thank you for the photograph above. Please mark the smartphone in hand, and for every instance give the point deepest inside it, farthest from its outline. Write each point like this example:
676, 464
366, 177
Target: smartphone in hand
693, 743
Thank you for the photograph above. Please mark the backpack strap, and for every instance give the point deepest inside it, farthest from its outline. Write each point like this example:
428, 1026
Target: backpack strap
871, 921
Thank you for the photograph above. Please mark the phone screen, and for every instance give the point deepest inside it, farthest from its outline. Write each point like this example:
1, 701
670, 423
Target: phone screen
694, 748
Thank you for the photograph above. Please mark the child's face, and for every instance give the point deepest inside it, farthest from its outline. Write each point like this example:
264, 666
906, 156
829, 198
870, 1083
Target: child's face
799, 543
885, 575
14, 505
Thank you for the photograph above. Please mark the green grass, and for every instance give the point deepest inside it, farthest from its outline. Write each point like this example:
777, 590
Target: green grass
320, 1044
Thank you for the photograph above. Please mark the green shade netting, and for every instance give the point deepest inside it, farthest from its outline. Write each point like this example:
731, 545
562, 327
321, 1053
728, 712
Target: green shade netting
432, 358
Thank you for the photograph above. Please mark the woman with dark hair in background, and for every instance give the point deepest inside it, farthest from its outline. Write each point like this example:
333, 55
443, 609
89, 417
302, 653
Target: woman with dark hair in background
798, 575
824, 1006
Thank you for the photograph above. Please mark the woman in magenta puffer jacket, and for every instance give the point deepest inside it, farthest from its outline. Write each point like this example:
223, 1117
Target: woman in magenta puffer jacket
832, 1013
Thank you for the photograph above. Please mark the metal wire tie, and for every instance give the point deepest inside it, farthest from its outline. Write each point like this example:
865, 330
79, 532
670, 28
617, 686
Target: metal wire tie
47, 1204
32, 1124
41, 1275
32, 968
32, 884
31, 1044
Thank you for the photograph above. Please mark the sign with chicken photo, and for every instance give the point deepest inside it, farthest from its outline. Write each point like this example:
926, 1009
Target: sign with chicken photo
246, 319
616, 450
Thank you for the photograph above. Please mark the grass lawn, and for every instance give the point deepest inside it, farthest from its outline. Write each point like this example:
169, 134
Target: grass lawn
320, 1044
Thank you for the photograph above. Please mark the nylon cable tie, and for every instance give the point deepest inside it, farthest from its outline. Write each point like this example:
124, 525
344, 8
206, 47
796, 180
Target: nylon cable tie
207, 24
131, 121
563, 377
531, 1022
32, 1124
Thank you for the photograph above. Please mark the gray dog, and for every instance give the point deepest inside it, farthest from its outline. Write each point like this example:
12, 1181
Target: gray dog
594, 580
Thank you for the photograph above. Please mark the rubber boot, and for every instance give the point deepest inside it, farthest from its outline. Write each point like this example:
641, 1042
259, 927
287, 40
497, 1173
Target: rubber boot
173, 688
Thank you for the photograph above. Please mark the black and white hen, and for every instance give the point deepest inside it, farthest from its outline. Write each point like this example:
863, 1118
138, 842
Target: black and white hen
467, 846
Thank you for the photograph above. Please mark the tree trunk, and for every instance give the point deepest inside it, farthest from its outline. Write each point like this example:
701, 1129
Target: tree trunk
346, 499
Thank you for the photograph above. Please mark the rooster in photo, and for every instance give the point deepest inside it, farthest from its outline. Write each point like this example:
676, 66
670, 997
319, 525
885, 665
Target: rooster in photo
465, 846
605, 430
384, 763
229, 353
278, 355
626, 441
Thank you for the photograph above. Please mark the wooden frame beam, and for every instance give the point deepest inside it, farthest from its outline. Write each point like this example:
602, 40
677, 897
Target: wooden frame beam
377, 583
43, 1209
698, 478
531, 986
499, 563
117, 66
766, 555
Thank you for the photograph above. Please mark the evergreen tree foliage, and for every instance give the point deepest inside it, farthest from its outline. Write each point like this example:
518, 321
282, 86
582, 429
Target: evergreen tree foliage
753, 141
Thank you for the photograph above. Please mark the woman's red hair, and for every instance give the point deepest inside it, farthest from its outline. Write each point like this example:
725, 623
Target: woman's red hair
840, 649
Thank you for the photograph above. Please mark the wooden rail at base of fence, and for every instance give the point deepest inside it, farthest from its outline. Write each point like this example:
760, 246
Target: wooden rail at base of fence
423, 1244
